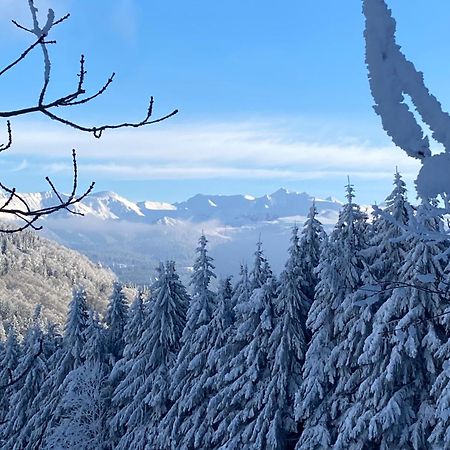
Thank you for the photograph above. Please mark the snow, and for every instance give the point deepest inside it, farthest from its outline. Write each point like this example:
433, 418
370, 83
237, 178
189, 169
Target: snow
394, 79
159, 206
434, 176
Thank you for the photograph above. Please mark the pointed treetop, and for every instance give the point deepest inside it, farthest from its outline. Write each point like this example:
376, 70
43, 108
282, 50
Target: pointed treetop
312, 210
116, 319
203, 268
261, 268
350, 195
77, 317
95, 347
397, 202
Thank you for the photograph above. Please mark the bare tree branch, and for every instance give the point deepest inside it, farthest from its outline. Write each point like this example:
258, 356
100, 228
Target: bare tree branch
22, 56
30, 216
8, 144
15, 204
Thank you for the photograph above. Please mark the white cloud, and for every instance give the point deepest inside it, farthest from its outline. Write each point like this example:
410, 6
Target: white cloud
143, 172
225, 150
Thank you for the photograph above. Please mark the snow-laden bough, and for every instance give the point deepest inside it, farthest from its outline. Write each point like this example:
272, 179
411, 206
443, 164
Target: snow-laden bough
392, 77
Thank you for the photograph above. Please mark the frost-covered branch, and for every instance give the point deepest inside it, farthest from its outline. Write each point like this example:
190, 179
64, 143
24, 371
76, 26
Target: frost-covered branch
392, 78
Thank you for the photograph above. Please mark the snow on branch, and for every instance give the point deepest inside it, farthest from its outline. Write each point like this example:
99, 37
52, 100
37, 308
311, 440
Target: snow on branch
392, 77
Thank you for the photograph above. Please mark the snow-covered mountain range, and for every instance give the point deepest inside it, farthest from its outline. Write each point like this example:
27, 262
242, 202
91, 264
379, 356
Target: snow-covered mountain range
234, 210
132, 237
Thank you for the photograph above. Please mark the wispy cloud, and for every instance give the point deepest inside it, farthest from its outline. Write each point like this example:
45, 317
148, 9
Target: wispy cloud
209, 150
22, 166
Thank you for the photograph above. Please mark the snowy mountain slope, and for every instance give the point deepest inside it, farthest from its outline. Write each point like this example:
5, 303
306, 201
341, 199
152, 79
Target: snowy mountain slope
34, 270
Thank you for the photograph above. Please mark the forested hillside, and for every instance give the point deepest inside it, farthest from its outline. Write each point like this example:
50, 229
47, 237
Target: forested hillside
34, 270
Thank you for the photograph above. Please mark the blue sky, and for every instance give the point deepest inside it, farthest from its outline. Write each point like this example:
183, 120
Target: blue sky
270, 94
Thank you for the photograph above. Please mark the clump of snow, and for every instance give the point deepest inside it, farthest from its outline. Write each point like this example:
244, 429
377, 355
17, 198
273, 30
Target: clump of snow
159, 206
434, 176
392, 77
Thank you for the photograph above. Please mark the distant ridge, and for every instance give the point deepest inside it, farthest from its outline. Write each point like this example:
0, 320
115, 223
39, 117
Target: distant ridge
234, 210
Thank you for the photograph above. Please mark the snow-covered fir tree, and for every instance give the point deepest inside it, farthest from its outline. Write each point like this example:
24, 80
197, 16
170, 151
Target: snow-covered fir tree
383, 257
116, 319
84, 400
43, 411
401, 350
131, 335
27, 377
261, 269
142, 397
9, 360
310, 243
185, 426
242, 415
287, 346
218, 333
323, 394
243, 286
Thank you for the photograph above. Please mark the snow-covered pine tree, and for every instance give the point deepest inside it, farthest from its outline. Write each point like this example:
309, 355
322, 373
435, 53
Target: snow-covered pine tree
241, 411
439, 437
383, 257
132, 333
134, 326
322, 395
218, 333
261, 269
84, 400
142, 397
9, 360
43, 410
116, 319
28, 376
185, 426
402, 347
311, 243
242, 287
287, 348
241, 295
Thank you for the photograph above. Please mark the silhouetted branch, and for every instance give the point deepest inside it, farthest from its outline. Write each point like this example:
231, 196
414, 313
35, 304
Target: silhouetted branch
8, 144
29, 216
22, 56
15, 204
72, 99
